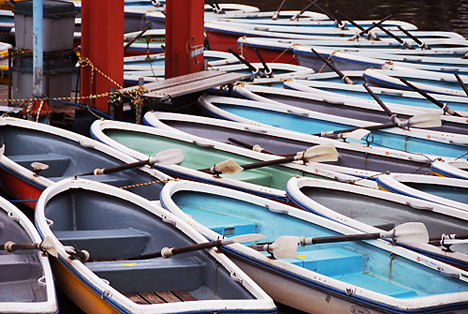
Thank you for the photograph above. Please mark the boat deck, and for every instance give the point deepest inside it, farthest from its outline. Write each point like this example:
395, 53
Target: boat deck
158, 297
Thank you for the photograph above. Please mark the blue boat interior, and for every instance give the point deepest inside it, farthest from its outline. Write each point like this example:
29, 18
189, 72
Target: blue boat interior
357, 263
112, 230
66, 158
22, 277
455, 193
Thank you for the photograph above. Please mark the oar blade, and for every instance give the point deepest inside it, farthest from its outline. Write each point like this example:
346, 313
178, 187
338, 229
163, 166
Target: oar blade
424, 120
251, 237
356, 134
320, 153
411, 232
285, 247
228, 166
168, 157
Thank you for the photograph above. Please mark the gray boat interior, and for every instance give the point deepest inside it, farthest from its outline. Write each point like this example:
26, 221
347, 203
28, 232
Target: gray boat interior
67, 158
279, 145
343, 110
382, 213
22, 277
112, 229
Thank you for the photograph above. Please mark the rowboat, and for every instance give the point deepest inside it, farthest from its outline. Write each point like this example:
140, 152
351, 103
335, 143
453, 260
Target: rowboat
282, 49
347, 106
153, 41
387, 95
377, 211
37, 155
120, 272
371, 276
203, 156
354, 159
26, 280
288, 117
442, 190
452, 169
428, 81
353, 61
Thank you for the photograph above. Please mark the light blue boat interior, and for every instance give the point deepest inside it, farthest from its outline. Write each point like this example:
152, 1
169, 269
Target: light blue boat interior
113, 229
455, 193
357, 263
67, 158
20, 271
310, 125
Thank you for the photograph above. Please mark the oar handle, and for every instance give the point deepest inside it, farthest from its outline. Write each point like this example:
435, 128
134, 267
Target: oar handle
430, 98
339, 238
345, 78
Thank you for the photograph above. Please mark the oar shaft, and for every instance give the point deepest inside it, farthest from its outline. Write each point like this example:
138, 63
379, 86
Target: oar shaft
250, 66
374, 25
370, 128
295, 17
430, 98
462, 84
265, 65
267, 163
275, 16
345, 78
168, 252
119, 168
378, 100
401, 41
136, 37
247, 145
340, 238
419, 42
350, 20
11, 246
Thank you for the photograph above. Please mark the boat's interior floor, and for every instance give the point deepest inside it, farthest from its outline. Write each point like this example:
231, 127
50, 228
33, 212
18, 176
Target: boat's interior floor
159, 297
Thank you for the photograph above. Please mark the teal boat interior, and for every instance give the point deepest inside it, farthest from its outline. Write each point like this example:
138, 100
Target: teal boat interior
202, 157
112, 230
356, 263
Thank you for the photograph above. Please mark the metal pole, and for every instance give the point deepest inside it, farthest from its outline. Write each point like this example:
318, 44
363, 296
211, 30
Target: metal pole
37, 47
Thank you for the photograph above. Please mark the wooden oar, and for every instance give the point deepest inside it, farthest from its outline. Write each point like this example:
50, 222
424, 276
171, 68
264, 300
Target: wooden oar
276, 14
338, 21
297, 15
393, 116
315, 153
367, 30
255, 147
166, 157
47, 245
401, 41
420, 43
268, 70
462, 84
441, 105
286, 246
344, 78
254, 70
136, 37
330, 16
370, 35
168, 252
423, 120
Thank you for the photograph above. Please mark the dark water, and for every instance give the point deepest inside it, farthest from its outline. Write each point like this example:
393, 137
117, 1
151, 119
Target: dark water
430, 15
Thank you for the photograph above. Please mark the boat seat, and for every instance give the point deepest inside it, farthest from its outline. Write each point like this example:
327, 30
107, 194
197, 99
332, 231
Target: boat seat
14, 267
58, 164
330, 262
224, 225
106, 244
156, 274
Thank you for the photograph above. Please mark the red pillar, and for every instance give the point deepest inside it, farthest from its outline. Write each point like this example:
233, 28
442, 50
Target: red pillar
102, 30
184, 37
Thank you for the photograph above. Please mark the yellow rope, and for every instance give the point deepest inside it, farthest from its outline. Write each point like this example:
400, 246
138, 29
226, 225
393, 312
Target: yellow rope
147, 183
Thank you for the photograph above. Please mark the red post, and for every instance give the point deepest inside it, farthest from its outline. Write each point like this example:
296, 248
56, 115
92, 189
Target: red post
184, 37
102, 30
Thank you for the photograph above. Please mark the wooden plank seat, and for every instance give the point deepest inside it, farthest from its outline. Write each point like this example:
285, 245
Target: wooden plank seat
158, 297
58, 164
156, 274
330, 262
106, 244
14, 267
